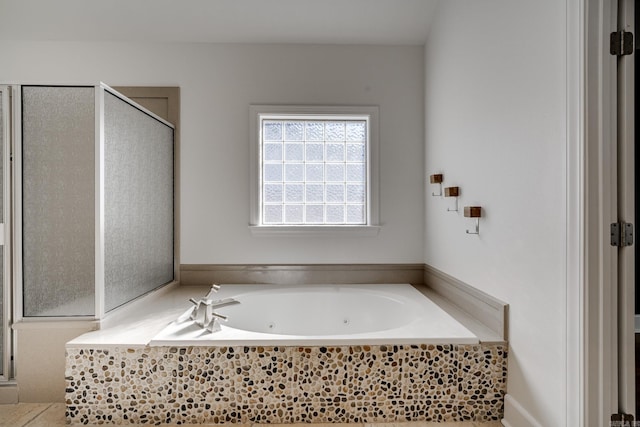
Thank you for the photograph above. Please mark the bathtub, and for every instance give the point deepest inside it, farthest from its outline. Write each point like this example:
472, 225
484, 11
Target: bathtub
290, 354
321, 315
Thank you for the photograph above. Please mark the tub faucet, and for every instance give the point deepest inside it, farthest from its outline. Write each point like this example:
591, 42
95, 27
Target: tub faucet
202, 313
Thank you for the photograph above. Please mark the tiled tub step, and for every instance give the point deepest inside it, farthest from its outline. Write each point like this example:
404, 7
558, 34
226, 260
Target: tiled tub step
195, 385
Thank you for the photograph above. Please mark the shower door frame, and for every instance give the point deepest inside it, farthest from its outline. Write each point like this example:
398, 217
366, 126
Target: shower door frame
99, 294
17, 278
8, 339
100, 297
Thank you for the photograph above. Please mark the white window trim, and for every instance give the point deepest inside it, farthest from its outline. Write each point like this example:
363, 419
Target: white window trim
373, 199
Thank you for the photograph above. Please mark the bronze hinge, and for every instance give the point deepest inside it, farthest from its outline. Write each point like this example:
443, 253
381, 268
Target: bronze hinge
621, 234
621, 43
622, 420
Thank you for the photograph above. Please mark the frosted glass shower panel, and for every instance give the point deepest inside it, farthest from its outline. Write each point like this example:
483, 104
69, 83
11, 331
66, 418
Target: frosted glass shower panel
2, 129
58, 201
138, 195
2, 299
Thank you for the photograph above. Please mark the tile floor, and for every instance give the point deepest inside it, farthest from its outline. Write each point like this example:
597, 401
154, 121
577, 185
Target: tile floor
52, 415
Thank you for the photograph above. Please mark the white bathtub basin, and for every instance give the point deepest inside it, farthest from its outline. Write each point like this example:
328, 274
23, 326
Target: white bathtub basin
315, 315
320, 311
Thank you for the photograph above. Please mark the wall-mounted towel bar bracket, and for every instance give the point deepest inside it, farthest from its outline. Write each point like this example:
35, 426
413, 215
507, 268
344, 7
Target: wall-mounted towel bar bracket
437, 179
452, 192
473, 212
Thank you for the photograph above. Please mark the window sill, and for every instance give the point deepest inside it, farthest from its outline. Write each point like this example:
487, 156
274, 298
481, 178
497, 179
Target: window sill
313, 231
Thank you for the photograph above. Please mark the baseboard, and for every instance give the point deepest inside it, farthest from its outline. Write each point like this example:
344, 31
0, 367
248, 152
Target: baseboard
515, 415
8, 393
486, 309
205, 274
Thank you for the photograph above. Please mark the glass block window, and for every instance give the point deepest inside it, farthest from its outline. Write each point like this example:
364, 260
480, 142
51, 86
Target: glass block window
313, 171
313, 168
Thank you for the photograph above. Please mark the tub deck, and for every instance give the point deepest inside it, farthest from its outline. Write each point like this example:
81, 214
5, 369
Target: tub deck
111, 381
322, 315
137, 323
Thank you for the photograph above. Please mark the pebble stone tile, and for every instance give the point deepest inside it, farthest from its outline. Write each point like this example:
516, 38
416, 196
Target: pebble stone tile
285, 385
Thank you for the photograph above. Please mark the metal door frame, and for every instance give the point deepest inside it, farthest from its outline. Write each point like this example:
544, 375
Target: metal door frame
606, 177
626, 213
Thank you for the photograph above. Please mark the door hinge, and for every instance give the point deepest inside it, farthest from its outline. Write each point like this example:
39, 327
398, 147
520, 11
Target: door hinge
621, 234
622, 420
621, 43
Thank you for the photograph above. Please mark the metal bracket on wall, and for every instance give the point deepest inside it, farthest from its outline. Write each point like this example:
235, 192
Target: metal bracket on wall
452, 192
473, 212
436, 179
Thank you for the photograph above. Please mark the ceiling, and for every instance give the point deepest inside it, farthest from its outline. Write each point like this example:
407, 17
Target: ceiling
389, 22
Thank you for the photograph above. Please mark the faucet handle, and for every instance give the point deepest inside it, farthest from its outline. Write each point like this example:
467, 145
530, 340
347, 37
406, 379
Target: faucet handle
219, 316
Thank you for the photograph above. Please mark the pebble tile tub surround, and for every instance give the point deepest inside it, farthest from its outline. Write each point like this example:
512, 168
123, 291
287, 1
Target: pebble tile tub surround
357, 384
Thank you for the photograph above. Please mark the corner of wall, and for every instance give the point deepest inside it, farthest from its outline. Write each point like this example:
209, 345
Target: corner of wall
515, 415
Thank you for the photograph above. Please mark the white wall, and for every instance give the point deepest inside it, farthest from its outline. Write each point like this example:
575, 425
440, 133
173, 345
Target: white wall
495, 126
218, 82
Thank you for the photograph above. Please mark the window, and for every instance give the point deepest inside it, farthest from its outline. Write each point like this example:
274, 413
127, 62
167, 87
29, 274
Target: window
314, 168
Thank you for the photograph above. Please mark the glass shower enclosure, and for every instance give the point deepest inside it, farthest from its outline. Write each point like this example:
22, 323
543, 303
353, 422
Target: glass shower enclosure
94, 202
